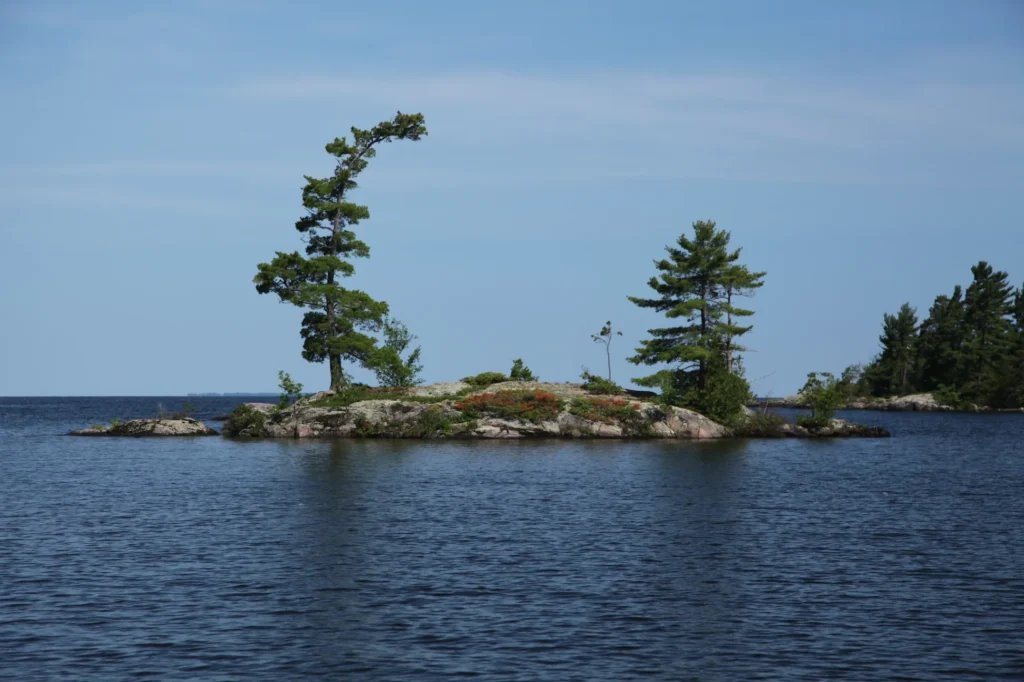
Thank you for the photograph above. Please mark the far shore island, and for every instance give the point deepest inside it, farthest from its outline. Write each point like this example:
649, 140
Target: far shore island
918, 402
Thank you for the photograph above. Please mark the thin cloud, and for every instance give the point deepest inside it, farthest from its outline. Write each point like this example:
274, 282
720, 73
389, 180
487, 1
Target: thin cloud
730, 107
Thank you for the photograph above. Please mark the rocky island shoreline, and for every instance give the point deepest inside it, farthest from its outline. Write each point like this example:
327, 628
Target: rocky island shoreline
506, 410
918, 402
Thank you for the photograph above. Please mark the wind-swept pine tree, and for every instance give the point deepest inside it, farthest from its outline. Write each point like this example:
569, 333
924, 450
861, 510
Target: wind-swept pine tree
696, 285
337, 319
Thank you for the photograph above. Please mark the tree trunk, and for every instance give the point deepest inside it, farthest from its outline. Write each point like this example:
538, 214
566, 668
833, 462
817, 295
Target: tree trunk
702, 364
608, 351
728, 336
337, 375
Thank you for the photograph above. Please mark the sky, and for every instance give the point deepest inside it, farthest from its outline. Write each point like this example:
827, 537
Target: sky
862, 154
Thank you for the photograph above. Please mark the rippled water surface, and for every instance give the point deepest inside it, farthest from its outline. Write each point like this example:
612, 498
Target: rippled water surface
382, 560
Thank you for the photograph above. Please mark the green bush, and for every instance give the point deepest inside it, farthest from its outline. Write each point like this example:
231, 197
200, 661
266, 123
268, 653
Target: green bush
433, 423
485, 379
290, 390
246, 421
813, 422
760, 425
723, 398
520, 372
614, 411
824, 394
949, 396
357, 394
186, 411
392, 370
599, 385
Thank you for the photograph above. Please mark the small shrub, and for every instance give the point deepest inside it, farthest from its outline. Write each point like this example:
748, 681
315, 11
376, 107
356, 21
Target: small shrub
824, 394
599, 385
392, 370
723, 398
485, 379
949, 396
534, 406
114, 423
607, 410
290, 390
186, 411
614, 411
246, 421
520, 372
433, 423
357, 394
760, 425
811, 422
366, 429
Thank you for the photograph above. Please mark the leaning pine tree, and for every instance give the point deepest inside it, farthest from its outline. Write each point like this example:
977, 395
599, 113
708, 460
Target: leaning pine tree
336, 322
696, 286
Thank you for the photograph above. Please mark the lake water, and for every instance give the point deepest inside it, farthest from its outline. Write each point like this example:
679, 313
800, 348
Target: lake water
896, 559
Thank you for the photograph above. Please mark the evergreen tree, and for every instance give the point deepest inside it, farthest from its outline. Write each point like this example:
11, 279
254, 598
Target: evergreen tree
893, 369
336, 322
392, 370
987, 306
695, 286
520, 372
970, 348
738, 281
939, 345
1008, 390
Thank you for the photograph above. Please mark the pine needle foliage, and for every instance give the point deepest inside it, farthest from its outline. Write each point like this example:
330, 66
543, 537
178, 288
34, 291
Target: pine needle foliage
339, 322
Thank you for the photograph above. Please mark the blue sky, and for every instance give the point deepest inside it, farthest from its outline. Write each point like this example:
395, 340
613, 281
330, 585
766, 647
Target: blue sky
863, 154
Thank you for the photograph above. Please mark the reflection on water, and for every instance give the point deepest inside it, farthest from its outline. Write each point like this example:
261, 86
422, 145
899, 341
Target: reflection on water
562, 560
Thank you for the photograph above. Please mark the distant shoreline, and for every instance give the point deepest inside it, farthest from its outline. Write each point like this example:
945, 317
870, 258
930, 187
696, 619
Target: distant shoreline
918, 402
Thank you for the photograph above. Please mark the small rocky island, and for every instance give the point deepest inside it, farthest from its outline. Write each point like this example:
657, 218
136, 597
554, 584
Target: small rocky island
141, 428
506, 410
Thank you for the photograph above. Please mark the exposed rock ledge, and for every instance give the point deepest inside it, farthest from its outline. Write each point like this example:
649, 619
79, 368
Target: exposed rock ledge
139, 428
918, 402
837, 428
396, 418
265, 408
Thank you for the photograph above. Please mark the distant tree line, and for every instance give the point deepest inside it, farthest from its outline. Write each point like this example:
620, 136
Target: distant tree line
970, 348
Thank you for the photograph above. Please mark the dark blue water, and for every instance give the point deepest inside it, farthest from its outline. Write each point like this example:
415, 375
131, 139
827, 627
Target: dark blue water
899, 559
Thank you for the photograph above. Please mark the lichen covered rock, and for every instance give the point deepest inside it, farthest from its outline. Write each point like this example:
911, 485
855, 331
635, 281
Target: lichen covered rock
837, 428
139, 428
919, 402
409, 419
